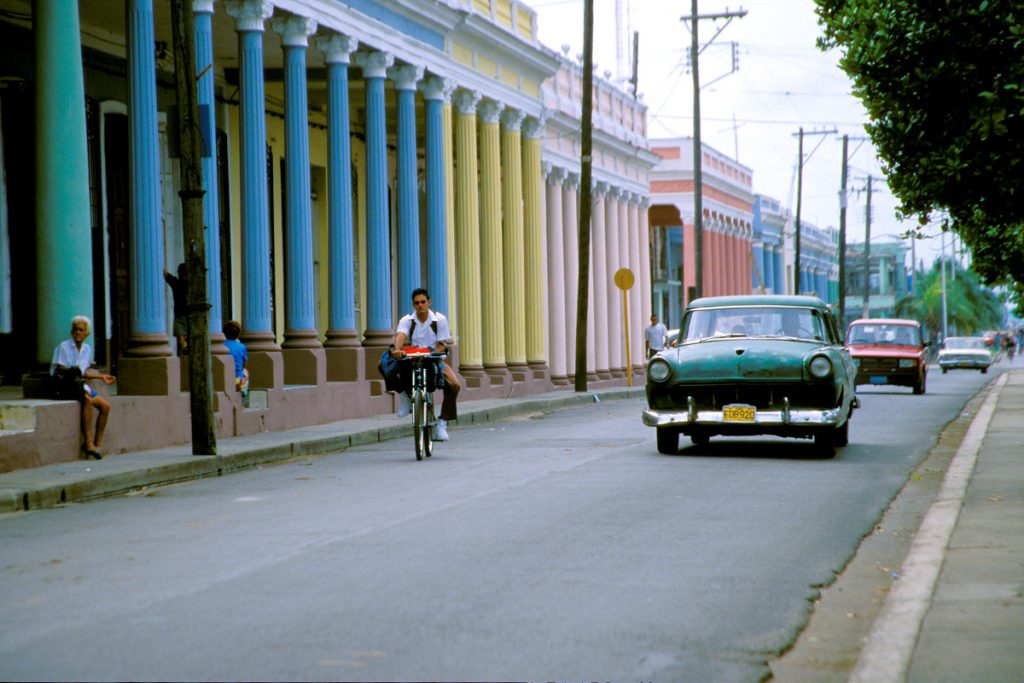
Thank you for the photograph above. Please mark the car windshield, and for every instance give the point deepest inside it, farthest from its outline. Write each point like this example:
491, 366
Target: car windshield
753, 321
965, 343
884, 334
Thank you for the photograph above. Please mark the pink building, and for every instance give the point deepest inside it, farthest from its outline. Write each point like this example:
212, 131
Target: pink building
728, 201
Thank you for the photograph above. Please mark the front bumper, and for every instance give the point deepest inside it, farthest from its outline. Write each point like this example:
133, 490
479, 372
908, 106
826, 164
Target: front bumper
763, 419
906, 377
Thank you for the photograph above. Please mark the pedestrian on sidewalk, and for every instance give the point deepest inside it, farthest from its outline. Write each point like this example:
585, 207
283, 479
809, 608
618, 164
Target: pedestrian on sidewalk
655, 336
240, 355
71, 366
179, 293
427, 328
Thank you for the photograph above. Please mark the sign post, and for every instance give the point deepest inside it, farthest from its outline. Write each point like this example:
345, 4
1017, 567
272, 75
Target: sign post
624, 281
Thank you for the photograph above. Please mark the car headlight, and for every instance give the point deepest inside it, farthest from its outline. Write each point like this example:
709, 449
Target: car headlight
856, 362
820, 367
907, 363
659, 370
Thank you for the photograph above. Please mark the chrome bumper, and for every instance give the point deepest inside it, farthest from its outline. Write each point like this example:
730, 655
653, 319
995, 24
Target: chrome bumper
785, 417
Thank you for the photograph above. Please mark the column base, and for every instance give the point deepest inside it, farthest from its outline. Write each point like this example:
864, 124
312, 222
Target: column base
148, 346
520, 372
474, 375
539, 369
301, 339
266, 370
149, 376
618, 373
371, 358
604, 374
259, 341
345, 364
217, 347
497, 374
222, 368
341, 339
381, 338
305, 366
560, 381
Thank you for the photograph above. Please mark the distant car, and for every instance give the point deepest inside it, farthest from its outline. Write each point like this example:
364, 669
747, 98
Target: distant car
970, 353
889, 351
750, 365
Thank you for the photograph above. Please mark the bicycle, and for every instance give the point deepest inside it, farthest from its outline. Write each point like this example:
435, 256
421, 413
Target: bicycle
423, 418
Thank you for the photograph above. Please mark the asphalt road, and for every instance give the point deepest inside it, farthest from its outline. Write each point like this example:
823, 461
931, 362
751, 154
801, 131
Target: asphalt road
562, 547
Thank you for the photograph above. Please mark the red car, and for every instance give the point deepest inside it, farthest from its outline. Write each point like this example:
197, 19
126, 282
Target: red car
888, 351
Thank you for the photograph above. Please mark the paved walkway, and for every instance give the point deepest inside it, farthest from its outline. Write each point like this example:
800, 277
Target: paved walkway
957, 613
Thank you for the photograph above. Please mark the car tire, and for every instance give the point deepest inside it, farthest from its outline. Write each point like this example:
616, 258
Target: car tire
700, 439
841, 436
984, 371
919, 388
668, 440
945, 370
825, 443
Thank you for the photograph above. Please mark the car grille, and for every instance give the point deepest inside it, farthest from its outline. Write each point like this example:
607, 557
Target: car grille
763, 396
878, 364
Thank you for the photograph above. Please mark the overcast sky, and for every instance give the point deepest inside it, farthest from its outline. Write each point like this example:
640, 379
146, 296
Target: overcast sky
783, 82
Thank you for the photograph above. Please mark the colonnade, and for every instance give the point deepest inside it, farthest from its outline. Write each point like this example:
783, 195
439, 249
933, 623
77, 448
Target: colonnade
768, 260
727, 246
619, 239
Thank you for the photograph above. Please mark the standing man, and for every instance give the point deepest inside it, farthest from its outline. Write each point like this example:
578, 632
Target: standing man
429, 329
654, 337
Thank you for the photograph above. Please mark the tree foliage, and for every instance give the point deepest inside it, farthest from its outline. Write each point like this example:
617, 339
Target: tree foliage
970, 306
943, 84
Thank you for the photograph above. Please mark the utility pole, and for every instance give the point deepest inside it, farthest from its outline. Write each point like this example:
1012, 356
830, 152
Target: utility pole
698, 179
583, 285
867, 256
942, 265
799, 198
842, 237
204, 439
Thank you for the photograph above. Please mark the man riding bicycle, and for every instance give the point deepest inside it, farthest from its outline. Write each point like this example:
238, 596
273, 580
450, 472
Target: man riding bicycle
428, 329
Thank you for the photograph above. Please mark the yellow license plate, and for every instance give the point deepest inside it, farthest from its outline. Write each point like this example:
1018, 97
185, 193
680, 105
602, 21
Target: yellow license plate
738, 413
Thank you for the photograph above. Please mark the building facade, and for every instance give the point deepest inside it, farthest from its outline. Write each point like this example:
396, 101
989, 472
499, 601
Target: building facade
352, 151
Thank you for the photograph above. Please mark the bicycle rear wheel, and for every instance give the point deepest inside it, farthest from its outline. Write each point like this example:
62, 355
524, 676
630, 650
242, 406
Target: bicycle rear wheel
428, 428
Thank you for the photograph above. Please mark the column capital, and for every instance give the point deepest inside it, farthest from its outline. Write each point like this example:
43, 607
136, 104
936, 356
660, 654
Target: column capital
374, 64
601, 187
645, 202
466, 101
405, 76
202, 6
490, 110
294, 30
249, 14
614, 192
512, 119
337, 47
572, 179
437, 88
533, 126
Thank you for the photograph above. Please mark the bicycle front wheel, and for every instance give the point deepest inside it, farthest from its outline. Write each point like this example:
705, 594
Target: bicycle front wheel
419, 424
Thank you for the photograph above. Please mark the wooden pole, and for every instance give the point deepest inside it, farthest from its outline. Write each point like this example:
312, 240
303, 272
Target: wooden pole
583, 286
204, 439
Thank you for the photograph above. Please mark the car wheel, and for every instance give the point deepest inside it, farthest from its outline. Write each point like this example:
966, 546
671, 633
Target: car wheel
825, 443
668, 440
945, 370
841, 436
700, 439
984, 371
920, 386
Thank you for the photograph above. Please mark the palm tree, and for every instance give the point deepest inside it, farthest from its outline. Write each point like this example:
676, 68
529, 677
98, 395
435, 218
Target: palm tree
970, 306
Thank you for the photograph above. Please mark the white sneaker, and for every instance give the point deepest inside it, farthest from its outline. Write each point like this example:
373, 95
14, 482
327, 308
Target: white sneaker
441, 431
404, 404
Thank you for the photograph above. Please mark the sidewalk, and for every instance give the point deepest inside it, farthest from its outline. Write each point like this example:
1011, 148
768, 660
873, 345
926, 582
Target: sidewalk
957, 611
45, 487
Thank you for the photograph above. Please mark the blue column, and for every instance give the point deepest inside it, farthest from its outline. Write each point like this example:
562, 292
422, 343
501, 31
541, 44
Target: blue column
768, 264
203, 11
257, 325
405, 78
300, 316
436, 91
780, 272
147, 325
379, 327
63, 236
757, 258
341, 325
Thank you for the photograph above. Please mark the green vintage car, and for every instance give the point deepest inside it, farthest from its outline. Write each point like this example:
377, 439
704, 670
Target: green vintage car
748, 365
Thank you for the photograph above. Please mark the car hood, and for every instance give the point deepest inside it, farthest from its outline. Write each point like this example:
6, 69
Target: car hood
884, 351
723, 360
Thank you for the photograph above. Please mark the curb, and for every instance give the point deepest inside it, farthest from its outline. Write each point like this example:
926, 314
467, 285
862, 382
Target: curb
79, 481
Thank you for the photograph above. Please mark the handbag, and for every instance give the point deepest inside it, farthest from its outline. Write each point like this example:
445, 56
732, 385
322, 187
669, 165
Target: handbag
69, 384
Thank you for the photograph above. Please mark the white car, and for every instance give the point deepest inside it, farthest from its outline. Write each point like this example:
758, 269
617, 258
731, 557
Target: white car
969, 353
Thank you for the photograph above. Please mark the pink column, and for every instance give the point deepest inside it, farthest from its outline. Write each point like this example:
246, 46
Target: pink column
570, 223
636, 326
616, 355
556, 277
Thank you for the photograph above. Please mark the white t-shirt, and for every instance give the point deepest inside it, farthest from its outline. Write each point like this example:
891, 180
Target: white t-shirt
423, 334
68, 355
656, 336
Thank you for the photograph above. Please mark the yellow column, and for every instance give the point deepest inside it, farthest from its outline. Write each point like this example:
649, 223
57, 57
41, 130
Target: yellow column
492, 304
449, 211
534, 238
467, 237
513, 242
